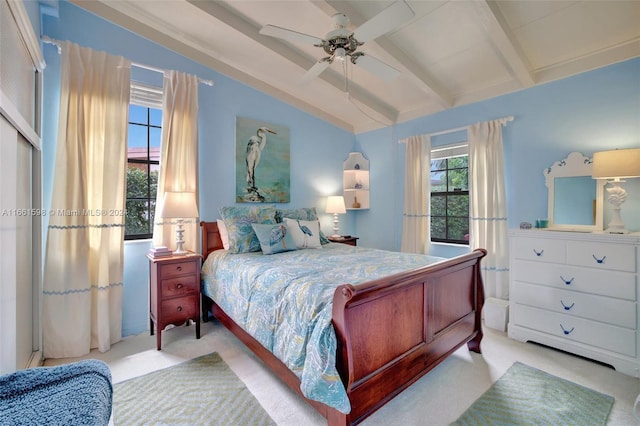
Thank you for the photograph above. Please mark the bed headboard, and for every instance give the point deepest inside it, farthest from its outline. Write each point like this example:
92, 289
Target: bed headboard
210, 238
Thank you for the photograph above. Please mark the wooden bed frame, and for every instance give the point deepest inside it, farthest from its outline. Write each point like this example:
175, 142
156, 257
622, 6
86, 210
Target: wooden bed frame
390, 331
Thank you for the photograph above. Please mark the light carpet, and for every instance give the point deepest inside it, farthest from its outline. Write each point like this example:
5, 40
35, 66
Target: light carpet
201, 391
527, 396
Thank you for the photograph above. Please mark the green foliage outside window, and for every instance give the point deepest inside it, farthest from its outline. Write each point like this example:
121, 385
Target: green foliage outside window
450, 200
141, 203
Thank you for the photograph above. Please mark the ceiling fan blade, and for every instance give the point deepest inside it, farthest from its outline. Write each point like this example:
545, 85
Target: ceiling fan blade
392, 17
315, 71
279, 32
377, 67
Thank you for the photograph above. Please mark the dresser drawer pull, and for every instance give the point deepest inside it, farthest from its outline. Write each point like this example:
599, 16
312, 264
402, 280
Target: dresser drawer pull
567, 307
599, 260
179, 309
179, 286
538, 253
179, 268
566, 281
566, 332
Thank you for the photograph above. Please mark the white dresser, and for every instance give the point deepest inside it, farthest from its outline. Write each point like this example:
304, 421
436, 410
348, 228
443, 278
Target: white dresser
577, 292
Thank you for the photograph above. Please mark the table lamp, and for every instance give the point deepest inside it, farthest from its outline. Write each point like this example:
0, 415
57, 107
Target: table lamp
179, 206
335, 205
617, 165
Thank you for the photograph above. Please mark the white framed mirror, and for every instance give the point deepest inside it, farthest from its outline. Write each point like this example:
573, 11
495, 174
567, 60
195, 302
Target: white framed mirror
575, 198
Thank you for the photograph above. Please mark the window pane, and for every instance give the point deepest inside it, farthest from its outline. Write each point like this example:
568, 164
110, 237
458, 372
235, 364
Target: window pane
458, 180
155, 136
458, 229
438, 228
459, 162
438, 205
438, 182
458, 205
155, 117
440, 164
137, 181
137, 137
137, 218
137, 114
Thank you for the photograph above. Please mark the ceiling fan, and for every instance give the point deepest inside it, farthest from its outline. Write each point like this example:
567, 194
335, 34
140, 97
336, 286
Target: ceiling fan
342, 42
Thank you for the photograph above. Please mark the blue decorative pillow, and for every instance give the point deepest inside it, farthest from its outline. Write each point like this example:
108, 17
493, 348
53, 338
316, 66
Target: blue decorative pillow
306, 233
303, 213
238, 220
274, 238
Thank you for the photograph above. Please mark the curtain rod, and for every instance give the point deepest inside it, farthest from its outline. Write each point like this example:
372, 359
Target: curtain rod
49, 40
503, 121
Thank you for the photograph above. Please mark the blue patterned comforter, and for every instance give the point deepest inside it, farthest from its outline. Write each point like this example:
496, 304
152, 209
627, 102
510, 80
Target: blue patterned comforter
285, 302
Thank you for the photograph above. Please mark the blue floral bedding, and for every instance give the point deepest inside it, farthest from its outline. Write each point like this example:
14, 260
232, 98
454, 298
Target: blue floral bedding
285, 302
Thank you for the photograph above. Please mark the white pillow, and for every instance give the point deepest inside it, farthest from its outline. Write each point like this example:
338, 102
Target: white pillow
306, 233
224, 234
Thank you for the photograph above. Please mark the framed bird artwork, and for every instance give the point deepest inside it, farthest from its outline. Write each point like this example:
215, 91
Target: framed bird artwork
262, 162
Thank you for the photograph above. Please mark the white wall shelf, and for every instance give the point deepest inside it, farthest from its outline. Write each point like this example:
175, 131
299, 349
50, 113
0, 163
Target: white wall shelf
356, 182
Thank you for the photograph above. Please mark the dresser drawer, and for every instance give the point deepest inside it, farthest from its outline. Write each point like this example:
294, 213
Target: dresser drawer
618, 257
179, 268
621, 285
600, 335
539, 249
173, 287
180, 309
617, 312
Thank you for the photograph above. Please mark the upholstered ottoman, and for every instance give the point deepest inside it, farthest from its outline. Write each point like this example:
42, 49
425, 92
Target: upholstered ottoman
73, 394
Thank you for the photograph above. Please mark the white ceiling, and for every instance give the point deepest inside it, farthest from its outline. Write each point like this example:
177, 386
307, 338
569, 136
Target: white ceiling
450, 53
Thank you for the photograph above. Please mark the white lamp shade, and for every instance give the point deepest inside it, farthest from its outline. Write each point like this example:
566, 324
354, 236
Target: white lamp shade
180, 205
619, 163
335, 204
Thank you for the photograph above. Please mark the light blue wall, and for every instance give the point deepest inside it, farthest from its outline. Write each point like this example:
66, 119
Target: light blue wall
317, 148
595, 111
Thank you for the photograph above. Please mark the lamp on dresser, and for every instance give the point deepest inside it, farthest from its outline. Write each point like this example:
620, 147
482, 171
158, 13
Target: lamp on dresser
617, 165
179, 206
335, 205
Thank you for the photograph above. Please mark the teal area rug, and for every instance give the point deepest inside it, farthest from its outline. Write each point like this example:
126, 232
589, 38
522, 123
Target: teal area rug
527, 396
202, 391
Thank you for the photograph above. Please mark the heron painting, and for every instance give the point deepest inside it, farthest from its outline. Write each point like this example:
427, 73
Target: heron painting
262, 162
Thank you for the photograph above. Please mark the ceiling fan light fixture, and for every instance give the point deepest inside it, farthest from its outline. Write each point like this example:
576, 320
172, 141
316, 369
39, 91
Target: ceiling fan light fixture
340, 54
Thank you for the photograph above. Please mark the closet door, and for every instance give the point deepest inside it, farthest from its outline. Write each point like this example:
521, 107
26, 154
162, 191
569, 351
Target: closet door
21, 66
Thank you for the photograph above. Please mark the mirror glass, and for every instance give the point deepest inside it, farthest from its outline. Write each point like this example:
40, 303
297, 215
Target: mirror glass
575, 198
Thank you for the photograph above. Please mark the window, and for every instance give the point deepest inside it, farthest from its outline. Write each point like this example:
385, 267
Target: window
143, 166
450, 195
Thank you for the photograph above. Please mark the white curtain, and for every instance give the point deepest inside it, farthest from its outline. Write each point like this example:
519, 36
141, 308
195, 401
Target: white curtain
83, 279
179, 155
488, 205
416, 231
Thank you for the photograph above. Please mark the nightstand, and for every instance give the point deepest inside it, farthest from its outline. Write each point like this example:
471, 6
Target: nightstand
352, 241
174, 289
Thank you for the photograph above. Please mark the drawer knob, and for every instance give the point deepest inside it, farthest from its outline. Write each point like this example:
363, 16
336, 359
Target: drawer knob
567, 307
179, 309
566, 281
565, 331
179, 268
179, 286
599, 260
538, 253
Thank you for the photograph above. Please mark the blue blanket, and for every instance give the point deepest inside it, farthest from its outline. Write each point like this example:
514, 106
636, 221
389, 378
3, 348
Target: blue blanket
72, 394
285, 302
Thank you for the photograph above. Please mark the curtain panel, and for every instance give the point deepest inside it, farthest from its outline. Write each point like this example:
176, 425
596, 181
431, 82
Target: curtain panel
416, 231
83, 278
488, 205
178, 155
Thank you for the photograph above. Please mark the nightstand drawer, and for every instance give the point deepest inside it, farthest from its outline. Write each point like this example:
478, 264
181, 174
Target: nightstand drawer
179, 309
178, 268
179, 286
